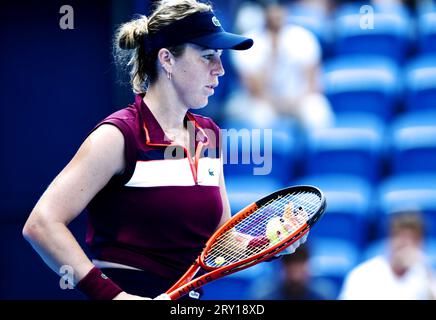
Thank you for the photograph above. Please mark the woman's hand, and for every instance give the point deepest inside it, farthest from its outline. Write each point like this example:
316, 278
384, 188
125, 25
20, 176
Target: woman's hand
291, 249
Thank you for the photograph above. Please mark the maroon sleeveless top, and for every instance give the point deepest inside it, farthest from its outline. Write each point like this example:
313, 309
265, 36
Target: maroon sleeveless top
157, 215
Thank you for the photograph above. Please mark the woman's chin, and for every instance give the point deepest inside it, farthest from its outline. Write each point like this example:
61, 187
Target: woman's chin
200, 104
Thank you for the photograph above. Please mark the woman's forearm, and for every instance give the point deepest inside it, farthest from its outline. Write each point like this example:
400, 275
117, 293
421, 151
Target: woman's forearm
57, 246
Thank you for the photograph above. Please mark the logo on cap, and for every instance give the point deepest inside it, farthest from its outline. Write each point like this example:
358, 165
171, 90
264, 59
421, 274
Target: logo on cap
216, 22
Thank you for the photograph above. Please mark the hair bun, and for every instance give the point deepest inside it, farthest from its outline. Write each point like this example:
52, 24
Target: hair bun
132, 33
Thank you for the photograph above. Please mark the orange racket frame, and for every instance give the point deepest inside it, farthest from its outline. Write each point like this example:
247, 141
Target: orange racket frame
186, 283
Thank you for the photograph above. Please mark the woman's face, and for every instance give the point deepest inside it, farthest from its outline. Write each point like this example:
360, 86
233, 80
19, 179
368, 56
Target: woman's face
405, 246
195, 75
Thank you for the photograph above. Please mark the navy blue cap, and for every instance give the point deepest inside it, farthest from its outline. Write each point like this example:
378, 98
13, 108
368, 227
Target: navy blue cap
201, 28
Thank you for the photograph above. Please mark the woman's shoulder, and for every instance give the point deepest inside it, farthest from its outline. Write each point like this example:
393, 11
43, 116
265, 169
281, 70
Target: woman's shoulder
127, 114
126, 120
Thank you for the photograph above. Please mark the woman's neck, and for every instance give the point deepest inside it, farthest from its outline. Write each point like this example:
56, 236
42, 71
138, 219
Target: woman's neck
168, 111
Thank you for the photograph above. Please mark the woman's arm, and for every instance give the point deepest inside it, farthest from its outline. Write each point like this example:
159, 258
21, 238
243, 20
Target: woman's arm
226, 205
99, 158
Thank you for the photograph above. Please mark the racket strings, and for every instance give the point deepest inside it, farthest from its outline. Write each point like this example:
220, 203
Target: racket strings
255, 224
232, 246
255, 227
276, 207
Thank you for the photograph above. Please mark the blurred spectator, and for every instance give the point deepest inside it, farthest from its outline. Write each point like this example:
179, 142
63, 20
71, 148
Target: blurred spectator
324, 6
402, 274
296, 283
280, 74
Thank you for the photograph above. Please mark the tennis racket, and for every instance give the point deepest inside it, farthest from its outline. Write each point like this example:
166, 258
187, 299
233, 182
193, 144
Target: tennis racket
256, 233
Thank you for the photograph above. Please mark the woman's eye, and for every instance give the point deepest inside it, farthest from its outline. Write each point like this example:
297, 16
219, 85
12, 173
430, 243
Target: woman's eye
208, 56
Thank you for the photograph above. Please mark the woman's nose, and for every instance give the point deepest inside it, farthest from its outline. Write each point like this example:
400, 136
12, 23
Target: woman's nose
219, 69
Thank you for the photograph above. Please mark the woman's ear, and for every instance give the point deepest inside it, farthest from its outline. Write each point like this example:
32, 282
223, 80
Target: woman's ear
166, 60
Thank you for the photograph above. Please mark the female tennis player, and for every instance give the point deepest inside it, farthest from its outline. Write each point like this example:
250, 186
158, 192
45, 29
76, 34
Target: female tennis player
149, 175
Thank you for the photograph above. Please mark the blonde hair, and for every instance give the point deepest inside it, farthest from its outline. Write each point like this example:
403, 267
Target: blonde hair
129, 44
407, 220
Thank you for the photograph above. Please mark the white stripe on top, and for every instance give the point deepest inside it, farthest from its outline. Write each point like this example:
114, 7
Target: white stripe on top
174, 172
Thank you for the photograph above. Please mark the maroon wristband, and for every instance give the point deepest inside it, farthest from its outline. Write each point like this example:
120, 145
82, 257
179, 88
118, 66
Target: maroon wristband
97, 286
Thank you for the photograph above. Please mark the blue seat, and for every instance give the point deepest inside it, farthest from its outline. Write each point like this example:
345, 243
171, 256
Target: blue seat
356, 7
252, 151
355, 119
348, 213
231, 287
425, 7
420, 83
332, 259
426, 22
413, 143
430, 249
408, 192
389, 35
242, 285
362, 83
345, 150
242, 191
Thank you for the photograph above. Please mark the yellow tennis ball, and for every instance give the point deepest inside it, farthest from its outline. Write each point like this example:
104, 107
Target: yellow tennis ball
220, 260
275, 230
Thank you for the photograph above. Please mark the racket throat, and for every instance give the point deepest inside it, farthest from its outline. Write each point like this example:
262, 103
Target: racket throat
192, 271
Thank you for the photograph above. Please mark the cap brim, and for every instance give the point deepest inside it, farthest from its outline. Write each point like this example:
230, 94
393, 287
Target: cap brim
223, 40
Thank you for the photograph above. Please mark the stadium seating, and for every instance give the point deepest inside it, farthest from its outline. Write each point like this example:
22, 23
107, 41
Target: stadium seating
348, 211
420, 83
332, 259
426, 22
252, 151
243, 190
360, 120
243, 285
362, 83
345, 150
232, 287
415, 192
379, 30
413, 143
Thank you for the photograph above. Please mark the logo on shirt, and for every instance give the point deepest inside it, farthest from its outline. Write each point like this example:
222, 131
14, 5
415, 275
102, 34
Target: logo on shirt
216, 22
211, 172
